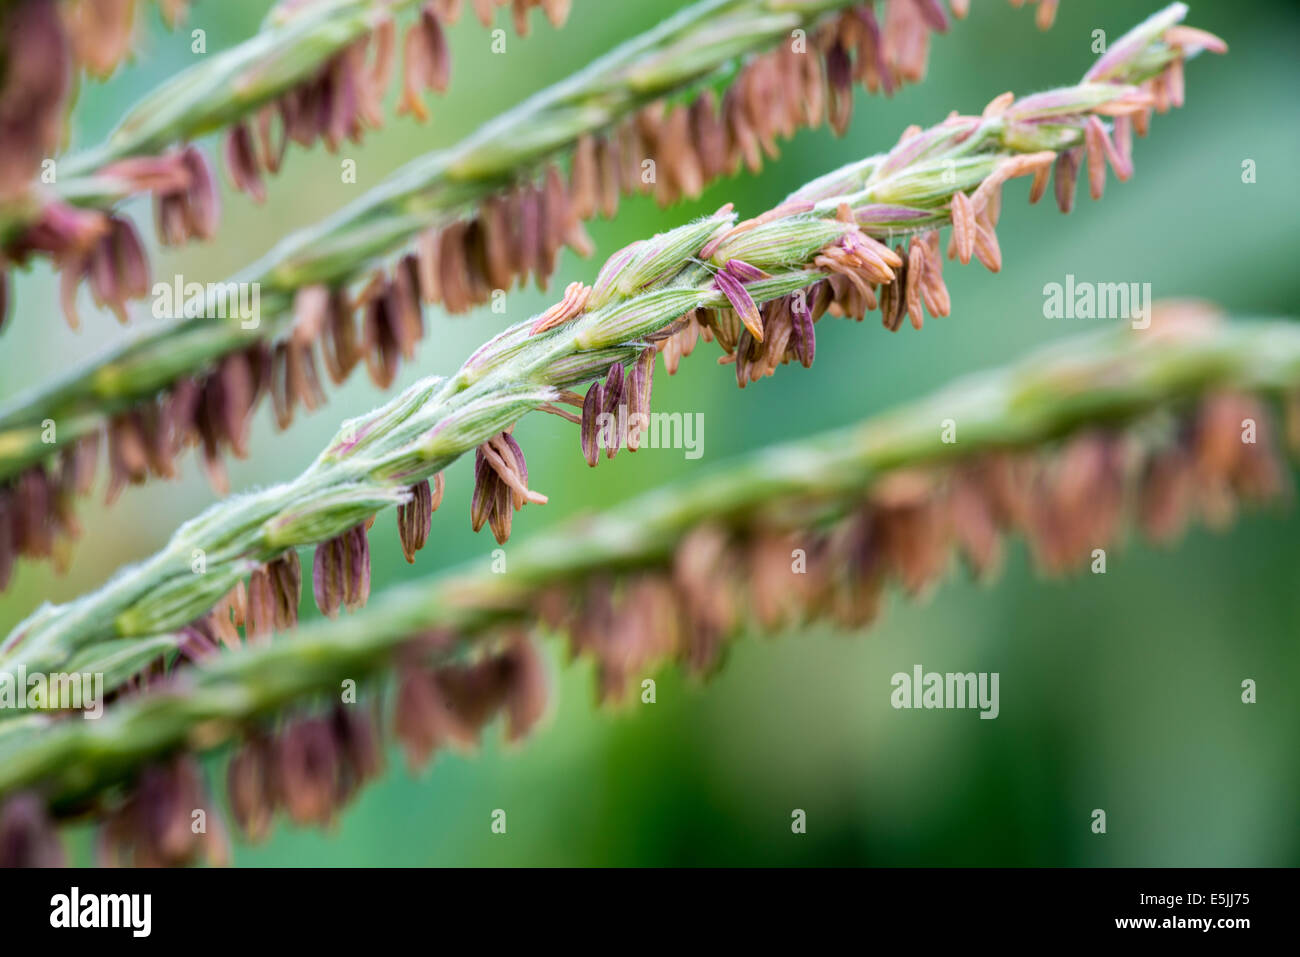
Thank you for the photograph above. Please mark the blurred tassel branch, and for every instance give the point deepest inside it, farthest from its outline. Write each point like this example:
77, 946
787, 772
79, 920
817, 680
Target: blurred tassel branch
756, 288
308, 75
1065, 447
499, 206
42, 44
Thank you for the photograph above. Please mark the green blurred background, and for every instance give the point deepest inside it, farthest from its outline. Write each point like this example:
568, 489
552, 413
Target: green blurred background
1118, 691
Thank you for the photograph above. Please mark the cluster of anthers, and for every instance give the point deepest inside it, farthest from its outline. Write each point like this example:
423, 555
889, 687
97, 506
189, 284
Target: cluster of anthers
251, 612
863, 273
101, 32
269, 601
41, 43
305, 766
341, 101
311, 767
102, 249
1065, 501
35, 79
345, 97
518, 234
740, 573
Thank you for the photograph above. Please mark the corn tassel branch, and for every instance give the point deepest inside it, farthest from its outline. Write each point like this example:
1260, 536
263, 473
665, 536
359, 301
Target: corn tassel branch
1149, 424
699, 41
306, 76
826, 231
695, 44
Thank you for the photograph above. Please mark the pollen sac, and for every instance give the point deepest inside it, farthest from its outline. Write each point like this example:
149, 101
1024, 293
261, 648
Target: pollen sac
307, 767
341, 572
154, 826
500, 485
418, 719
359, 747
414, 519
614, 407
592, 406
608, 408
449, 706
262, 605
286, 580
250, 787
639, 384
186, 203
33, 91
